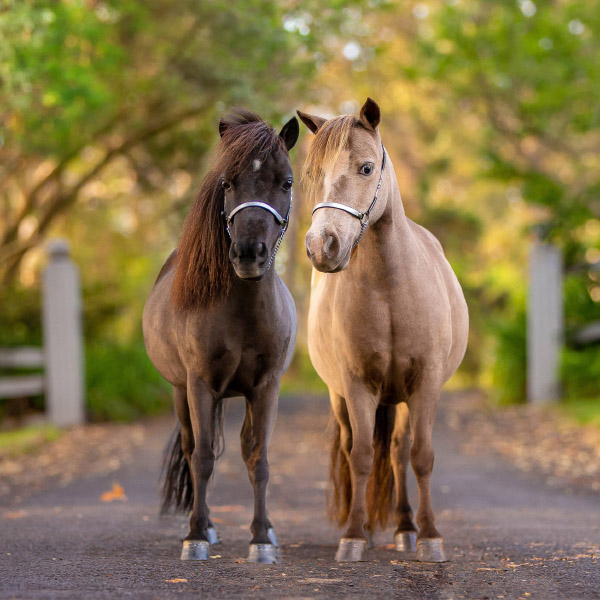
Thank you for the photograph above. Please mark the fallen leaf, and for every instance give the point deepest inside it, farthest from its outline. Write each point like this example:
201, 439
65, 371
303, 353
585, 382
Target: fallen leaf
116, 493
176, 580
16, 514
227, 508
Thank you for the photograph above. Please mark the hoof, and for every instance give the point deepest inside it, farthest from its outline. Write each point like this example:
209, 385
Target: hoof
351, 550
405, 541
263, 553
212, 536
195, 550
273, 537
431, 550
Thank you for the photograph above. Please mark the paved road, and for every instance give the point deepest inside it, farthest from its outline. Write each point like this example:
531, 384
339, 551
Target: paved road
508, 536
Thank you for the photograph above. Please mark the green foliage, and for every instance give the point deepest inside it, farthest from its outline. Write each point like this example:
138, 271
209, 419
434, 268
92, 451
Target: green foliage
108, 112
580, 369
301, 376
61, 71
530, 73
584, 410
20, 317
27, 439
85, 86
580, 309
70, 69
509, 371
580, 366
122, 384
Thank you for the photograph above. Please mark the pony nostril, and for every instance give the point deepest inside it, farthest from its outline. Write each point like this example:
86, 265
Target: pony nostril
261, 250
248, 251
331, 245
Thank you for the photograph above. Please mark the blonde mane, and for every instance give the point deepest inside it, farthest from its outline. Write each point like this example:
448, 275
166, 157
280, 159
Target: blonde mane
327, 145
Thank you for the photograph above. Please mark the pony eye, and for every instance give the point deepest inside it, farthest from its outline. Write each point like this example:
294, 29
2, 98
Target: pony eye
366, 169
287, 186
225, 185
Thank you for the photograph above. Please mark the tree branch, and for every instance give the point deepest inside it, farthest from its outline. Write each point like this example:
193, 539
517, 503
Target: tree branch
60, 202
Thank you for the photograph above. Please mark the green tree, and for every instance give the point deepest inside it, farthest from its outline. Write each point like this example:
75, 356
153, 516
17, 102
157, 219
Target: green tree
530, 73
88, 83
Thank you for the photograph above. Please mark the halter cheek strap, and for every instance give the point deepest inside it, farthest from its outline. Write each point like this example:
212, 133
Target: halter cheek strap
363, 217
282, 221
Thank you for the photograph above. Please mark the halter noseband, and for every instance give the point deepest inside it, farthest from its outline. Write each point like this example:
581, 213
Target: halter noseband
363, 217
283, 222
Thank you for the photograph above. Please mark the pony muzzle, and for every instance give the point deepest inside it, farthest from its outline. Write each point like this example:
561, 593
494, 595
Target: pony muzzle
324, 249
249, 259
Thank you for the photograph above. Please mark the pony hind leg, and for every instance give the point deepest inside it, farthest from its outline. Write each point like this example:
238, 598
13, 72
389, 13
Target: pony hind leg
422, 406
405, 536
201, 406
261, 414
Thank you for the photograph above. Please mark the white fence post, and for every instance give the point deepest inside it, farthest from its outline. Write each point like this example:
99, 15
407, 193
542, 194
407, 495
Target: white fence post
63, 340
544, 324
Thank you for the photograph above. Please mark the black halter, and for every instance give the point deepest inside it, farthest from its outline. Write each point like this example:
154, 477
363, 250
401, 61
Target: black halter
283, 221
363, 217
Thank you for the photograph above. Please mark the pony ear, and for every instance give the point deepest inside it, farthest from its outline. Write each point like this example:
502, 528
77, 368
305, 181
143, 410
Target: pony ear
313, 122
223, 127
370, 114
290, 132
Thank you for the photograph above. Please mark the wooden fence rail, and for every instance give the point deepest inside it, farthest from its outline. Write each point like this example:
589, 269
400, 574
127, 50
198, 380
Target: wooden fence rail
62, 357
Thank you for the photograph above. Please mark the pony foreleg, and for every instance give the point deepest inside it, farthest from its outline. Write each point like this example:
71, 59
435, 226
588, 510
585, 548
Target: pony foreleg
422, 406
361, 407
187, 446
201, 408
406, 533
256, 435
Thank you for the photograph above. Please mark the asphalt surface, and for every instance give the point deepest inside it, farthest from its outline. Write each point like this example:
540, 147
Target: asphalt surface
507, 534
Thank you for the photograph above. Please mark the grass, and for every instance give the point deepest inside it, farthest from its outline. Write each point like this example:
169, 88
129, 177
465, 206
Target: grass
27, 439
584, 410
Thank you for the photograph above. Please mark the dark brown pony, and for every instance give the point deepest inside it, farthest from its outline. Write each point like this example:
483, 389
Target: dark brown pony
219, 322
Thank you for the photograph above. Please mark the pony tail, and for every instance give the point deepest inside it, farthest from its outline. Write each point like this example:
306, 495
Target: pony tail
177, 490
218, 434
380, 487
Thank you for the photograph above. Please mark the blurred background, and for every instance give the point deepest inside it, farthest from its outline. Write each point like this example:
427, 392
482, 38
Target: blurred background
109, 110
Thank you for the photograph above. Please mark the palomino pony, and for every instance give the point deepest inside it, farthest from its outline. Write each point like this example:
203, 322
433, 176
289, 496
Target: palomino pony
220, 323
387, 326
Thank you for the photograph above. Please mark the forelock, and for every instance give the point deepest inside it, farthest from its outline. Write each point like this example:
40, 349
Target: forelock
245, 141
329, 142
